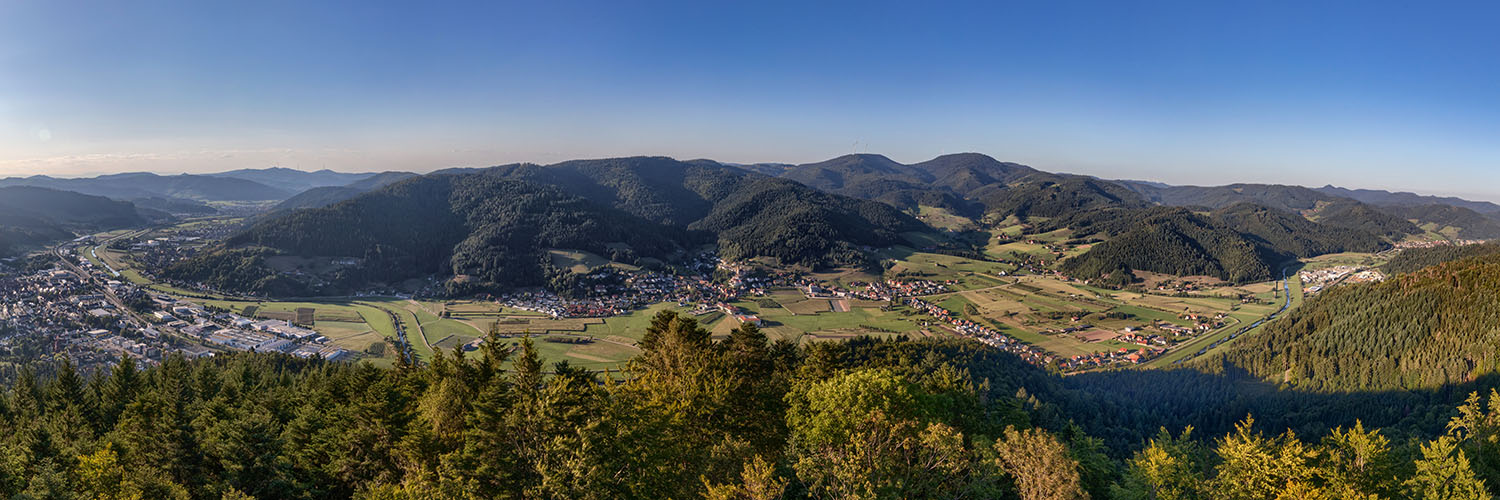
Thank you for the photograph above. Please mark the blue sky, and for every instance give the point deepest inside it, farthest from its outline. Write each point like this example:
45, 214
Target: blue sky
1396, 95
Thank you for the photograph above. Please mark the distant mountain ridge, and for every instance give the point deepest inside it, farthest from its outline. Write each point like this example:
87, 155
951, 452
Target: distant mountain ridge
1378, 197
148, 185
1382, 212
293, 180
328, 195
1241, 243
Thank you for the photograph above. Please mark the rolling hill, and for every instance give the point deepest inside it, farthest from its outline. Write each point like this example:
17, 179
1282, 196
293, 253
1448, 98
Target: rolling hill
1241, 243
486, 228
1287, 198
970, 184
293, 180
1355, 215
147, 185
1380, 212
32, 216
1465, 223
752, 214
1418, 330
1388, 198
327, 195
479, 231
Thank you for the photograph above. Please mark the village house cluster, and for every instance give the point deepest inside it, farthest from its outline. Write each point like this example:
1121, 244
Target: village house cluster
982, 333
1318, 280
629, 291
897, 289
56, 312
1036, 355
82, 313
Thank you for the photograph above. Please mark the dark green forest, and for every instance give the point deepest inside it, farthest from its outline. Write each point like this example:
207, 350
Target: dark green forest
1241, 243
1418, 258
750, 215
739, 418
1418, 330
1470, 224
1368, 218
243, 270
490, 228
31, 217
481, 229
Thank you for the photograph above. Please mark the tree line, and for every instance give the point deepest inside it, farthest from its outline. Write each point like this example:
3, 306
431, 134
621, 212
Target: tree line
690, 417
1419, 330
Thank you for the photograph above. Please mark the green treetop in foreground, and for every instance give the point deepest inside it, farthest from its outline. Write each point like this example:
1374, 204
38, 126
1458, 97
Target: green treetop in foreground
691, 417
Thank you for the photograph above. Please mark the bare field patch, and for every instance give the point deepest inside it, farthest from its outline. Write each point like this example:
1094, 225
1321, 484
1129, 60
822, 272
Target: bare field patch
808, 306
547, 325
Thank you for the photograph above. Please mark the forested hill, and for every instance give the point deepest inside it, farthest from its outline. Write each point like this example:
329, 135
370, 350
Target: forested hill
1418, 330
1334, 207
1241, 243
1294, 235
1419, 258
32, 216
1355, 215
1287, 198
490, 227
478, 229
1050, 195
1179, 242
966, 183
1460, 222
752, 215
1388, 198
327, 195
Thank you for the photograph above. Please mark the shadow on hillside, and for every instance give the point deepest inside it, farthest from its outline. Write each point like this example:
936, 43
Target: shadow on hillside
1128, 401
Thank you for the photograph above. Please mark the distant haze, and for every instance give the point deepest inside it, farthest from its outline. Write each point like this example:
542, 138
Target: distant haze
1382, 96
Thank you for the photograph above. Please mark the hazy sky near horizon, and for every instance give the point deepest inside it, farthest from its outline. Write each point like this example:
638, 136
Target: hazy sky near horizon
1389, 95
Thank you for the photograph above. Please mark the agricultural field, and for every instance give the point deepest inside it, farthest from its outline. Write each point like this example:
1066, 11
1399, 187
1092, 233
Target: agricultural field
941, 218
1006, 242
1439, 232
1248, 314
1345, 259
1026, 307
844, 277
579, 261
970, 273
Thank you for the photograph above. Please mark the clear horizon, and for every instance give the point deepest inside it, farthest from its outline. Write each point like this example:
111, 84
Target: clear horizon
1370, 95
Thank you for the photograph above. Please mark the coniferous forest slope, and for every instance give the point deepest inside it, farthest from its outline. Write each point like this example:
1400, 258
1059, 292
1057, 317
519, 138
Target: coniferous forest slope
490, 228
967, 183
480, 230
32, 216
1418, 258
1381, 212
1241, 243
835, 211
751, 215
1422, 329
689, 418
1469, 223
